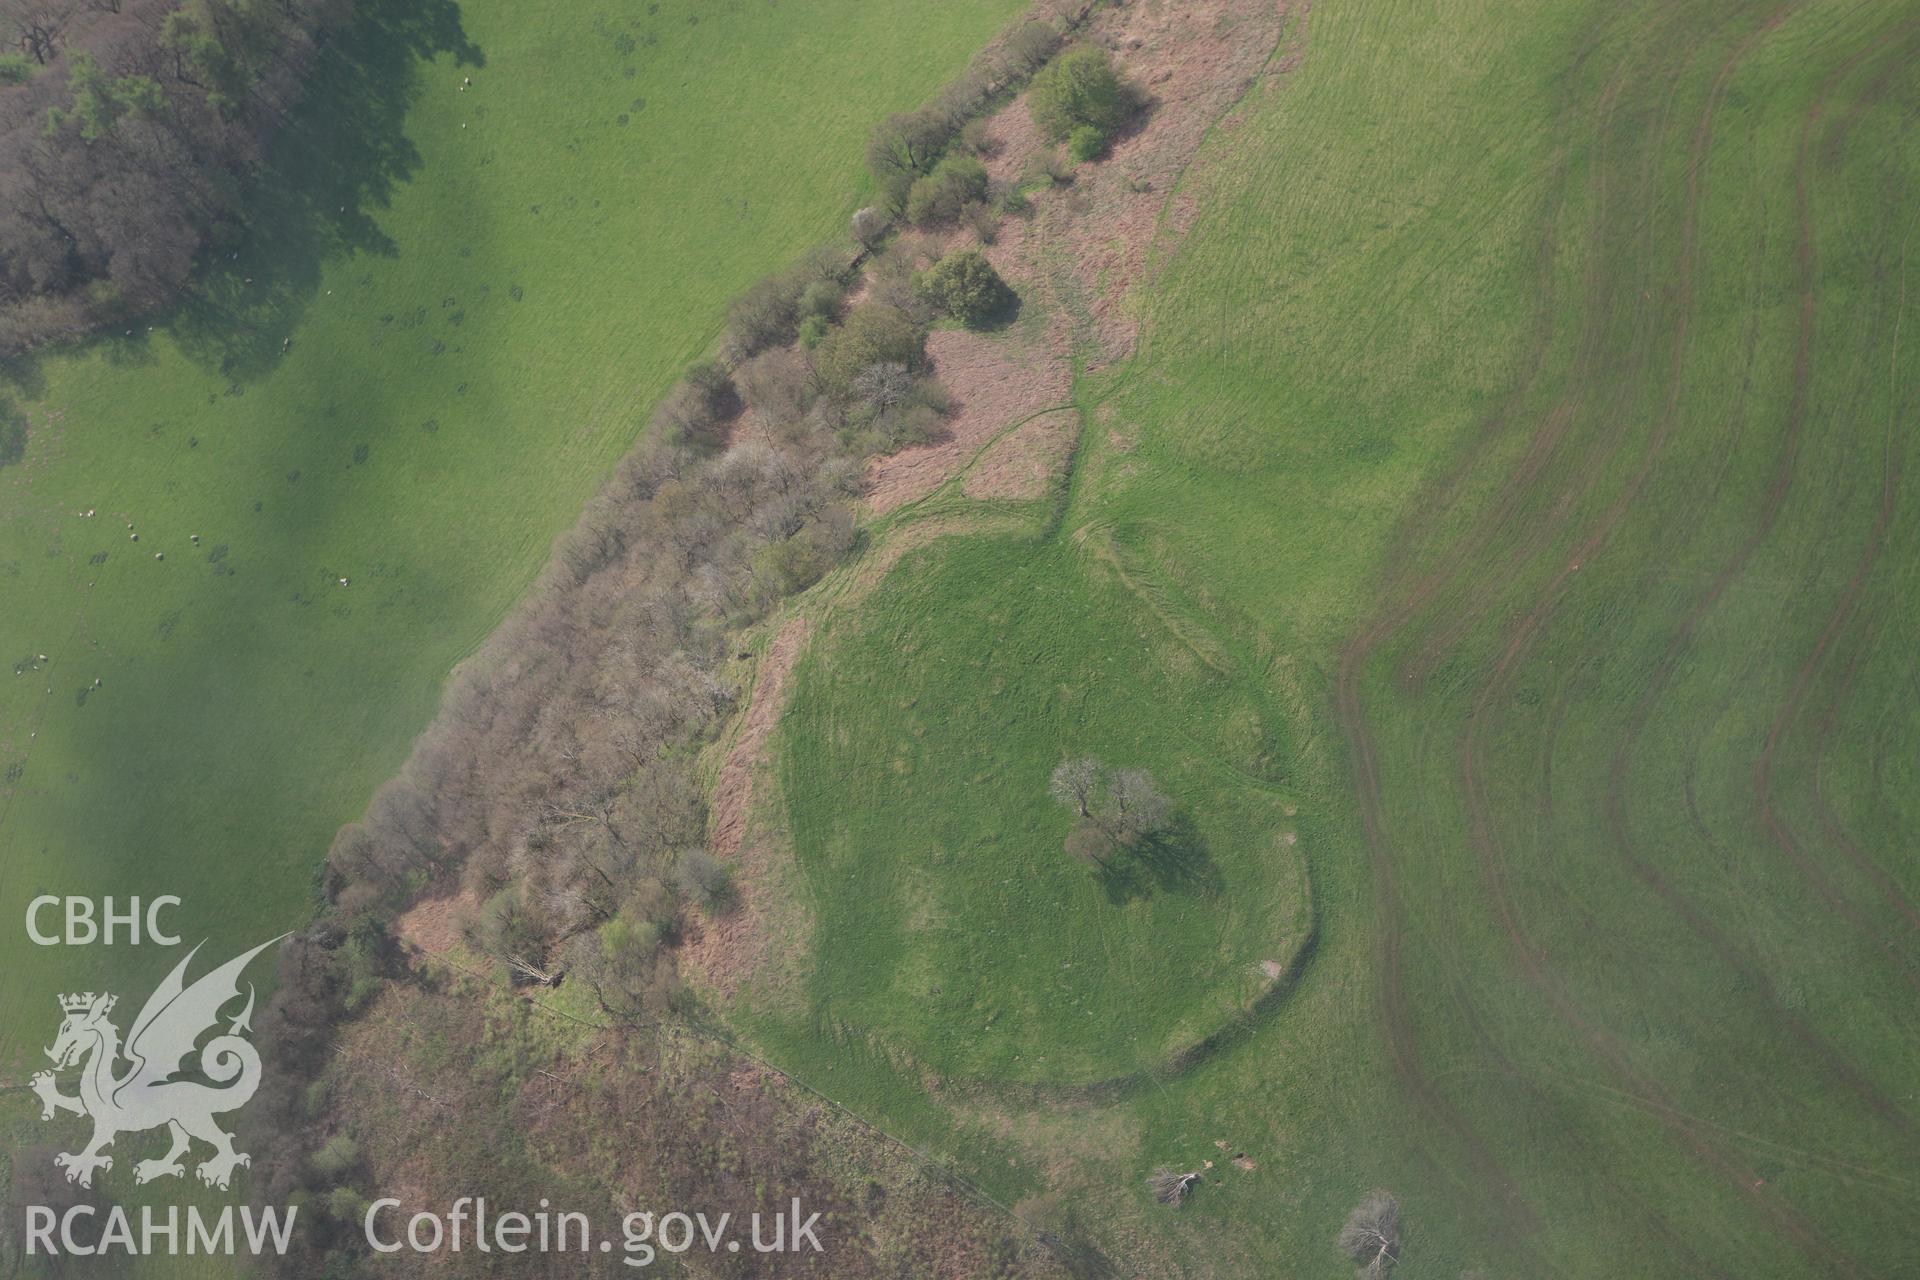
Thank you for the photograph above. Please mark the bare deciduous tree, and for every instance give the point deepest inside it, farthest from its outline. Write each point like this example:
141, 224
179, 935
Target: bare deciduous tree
1075, 782
774, 385
883, 386
1371, 1236
506, 930
1170, 1187
869, 225
706, 883
1136, 807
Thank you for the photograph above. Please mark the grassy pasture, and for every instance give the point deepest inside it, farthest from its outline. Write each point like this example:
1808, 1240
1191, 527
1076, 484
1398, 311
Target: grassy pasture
1533, 389
452, 313
918, 776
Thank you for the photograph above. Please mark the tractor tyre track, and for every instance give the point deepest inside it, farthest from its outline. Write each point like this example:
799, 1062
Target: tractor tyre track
1774, 501
1830, 824
1483, 589
1775, 824
1486, 842
1542, 447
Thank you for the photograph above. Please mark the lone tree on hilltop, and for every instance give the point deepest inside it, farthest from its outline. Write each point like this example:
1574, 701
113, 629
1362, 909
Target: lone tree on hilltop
1371, 1236
1117, 808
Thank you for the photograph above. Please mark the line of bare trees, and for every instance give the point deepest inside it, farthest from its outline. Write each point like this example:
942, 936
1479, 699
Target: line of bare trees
125, 126
557, 780
556, 785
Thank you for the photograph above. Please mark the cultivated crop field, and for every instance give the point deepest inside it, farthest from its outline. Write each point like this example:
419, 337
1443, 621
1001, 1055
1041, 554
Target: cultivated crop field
454, 310
1529, 406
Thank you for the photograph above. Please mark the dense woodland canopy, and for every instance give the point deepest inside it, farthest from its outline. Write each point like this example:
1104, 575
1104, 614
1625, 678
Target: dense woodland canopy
125, 128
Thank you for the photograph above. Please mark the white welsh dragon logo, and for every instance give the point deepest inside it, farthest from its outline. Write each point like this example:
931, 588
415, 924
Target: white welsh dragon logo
146, 1095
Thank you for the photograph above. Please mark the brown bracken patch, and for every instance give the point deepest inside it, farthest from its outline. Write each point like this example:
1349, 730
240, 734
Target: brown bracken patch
1078, 257
620, 1119
1194, 61
725, 948
995, 382
432, 925
736, 775
1023, 463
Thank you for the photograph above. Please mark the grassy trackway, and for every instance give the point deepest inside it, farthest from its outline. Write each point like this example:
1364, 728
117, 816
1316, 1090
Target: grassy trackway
1533, 387
483, 293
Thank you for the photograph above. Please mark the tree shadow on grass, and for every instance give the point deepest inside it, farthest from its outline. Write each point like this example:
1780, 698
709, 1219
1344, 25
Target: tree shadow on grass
1174, 860
337, 161
1078, 1256
13, 433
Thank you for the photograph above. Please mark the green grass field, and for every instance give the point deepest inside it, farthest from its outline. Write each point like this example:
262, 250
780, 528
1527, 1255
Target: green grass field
1500, 546
919, 783
1531, 401
481, 294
